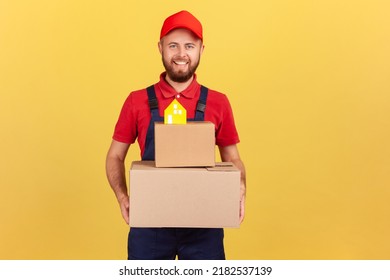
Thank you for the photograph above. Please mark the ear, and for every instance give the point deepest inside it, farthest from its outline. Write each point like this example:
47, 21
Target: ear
202, 49
160, 46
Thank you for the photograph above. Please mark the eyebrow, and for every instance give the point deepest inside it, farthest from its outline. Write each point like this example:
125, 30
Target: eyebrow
177, 43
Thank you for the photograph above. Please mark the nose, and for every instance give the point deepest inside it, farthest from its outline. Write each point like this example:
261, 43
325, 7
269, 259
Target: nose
181, 51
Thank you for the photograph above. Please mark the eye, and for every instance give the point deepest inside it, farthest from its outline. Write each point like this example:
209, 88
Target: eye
172, 46
190, 46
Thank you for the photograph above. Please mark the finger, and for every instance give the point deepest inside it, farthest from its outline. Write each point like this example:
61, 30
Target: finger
125, 213
125, 216
242, 211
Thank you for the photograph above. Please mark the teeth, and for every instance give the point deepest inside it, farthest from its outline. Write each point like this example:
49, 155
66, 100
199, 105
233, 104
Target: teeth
180, 62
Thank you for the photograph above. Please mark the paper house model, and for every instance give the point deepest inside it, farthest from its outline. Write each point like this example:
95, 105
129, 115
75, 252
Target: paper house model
175, 113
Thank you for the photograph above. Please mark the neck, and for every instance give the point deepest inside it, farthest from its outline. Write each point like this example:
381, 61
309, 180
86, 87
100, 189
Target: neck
179, 87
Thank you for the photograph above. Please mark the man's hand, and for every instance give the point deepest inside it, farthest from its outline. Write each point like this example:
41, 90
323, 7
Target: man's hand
124, 204
242, 201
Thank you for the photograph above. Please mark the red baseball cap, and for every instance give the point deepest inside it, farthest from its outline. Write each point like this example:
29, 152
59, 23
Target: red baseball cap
182, 19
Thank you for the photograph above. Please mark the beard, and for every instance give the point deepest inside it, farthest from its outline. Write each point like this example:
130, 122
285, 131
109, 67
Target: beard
180, 76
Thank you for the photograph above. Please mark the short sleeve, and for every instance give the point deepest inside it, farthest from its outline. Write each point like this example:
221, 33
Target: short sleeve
126, 126
226, 132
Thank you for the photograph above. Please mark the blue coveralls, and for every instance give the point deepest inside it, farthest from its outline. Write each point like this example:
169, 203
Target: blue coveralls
167, 243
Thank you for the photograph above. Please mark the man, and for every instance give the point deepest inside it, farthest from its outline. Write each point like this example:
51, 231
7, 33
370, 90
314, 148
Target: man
181, 46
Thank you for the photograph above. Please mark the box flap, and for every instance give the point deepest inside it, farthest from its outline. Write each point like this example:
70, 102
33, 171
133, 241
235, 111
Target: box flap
189, 123
150, 165
142, 165
223, 166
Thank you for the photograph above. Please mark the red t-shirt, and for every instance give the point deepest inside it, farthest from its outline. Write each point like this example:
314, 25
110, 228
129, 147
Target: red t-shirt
135, 116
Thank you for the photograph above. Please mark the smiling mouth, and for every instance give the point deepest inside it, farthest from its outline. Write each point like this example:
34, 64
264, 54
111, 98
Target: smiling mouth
180, 62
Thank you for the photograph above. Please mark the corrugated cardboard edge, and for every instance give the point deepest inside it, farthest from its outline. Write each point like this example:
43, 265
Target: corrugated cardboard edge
223, 166
219, 166
233, 226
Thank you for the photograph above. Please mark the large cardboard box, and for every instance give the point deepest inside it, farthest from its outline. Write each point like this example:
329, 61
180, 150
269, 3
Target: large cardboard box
184, 197
185, 145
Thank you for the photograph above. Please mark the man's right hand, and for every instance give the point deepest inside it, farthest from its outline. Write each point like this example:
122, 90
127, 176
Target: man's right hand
124, 205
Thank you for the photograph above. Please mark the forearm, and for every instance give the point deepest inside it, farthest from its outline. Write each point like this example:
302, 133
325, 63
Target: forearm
230, 154
115, 169
240, 165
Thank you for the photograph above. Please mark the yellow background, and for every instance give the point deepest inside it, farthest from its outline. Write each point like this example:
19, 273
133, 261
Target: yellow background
309, 85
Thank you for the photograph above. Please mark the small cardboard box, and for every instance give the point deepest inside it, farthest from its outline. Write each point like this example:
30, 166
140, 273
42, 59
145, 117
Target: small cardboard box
184, 197
185, 145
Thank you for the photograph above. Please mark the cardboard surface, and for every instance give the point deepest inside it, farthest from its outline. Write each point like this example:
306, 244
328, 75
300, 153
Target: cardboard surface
184, 197
185, 145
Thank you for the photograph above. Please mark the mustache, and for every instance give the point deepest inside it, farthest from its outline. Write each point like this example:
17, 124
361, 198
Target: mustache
180, 59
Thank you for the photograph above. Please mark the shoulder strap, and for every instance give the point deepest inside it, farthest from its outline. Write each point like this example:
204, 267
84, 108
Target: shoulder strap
201, 105
152, 100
